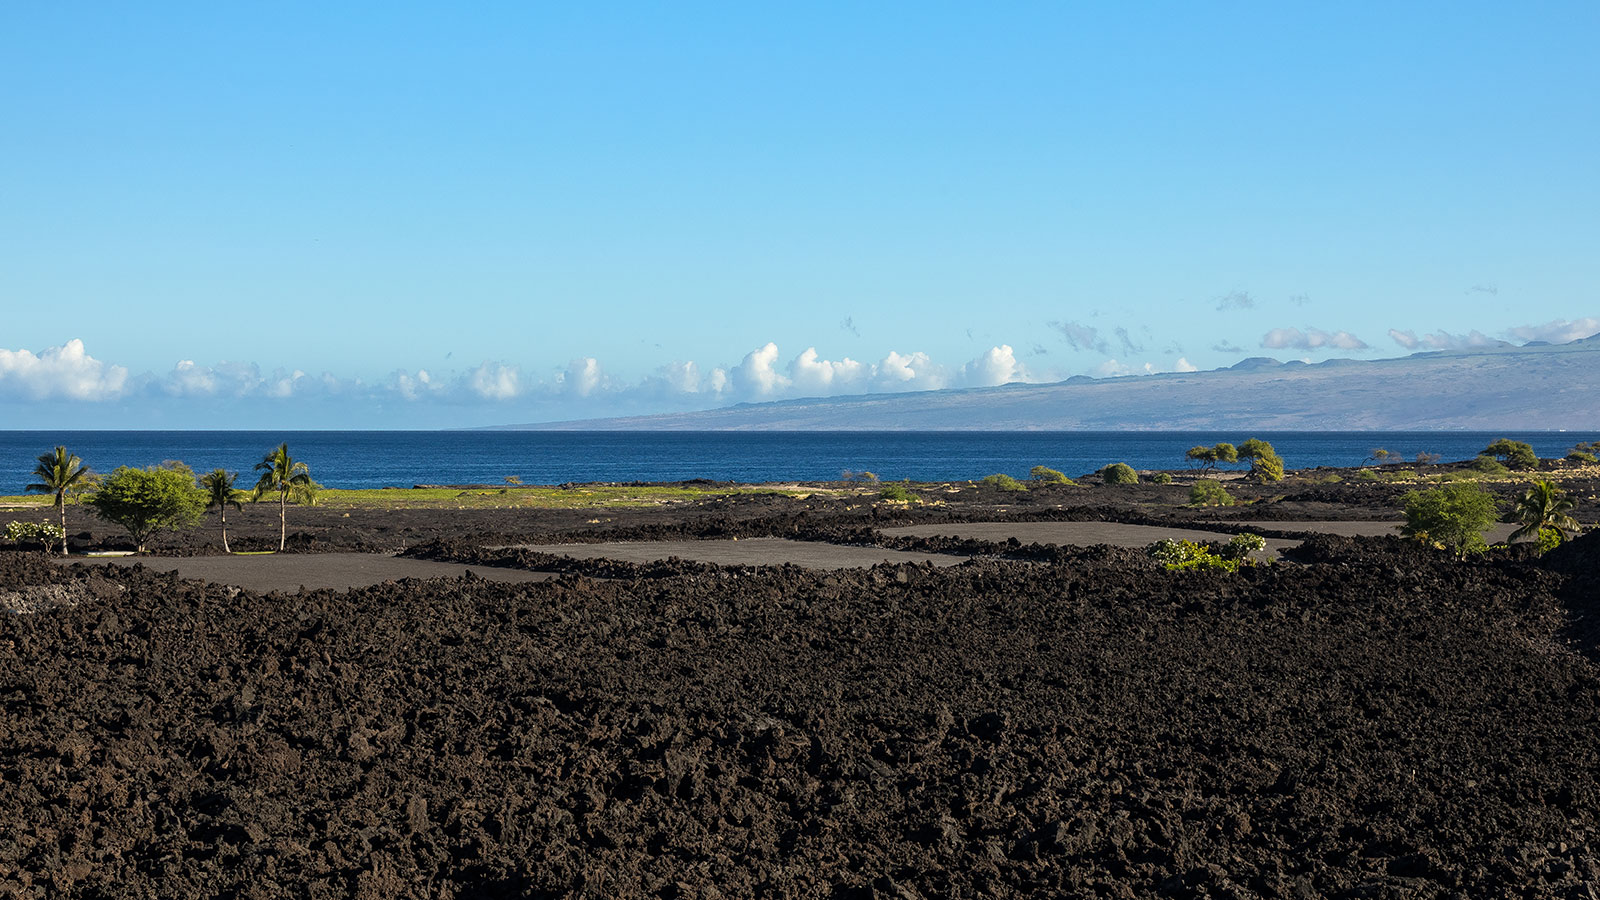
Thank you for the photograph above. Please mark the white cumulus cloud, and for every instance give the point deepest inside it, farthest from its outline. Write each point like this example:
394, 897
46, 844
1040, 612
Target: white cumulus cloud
495, 381
810, 374
998, 366
583, 376
757, 375
1559, 331
1311, 339
64, 372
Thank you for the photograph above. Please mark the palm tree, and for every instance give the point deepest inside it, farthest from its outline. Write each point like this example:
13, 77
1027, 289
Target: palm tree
60, 472
1543, 506
280, 473
218, 484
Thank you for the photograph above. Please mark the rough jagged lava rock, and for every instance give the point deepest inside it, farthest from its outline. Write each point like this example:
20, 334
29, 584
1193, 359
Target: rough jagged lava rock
1377, 723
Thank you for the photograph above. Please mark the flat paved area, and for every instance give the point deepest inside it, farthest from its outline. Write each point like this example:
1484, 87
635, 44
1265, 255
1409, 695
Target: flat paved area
289, 571
1073, 534
747, 552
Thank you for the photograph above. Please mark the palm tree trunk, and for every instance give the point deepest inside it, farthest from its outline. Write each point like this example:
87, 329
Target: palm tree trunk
283, 518
225, 529
61, 507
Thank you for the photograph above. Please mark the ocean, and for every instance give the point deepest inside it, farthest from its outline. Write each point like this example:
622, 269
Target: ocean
369, 459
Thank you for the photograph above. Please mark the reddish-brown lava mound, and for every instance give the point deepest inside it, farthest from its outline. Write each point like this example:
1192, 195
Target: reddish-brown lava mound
1381, 723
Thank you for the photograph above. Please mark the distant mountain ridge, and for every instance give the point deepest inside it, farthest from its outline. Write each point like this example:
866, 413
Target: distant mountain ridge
1532, 387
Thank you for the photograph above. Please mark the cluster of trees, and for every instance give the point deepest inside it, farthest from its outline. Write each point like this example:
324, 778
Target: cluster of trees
169, 496
1265, 463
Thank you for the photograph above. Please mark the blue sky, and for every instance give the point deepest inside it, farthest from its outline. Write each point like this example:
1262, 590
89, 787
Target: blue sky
402, 215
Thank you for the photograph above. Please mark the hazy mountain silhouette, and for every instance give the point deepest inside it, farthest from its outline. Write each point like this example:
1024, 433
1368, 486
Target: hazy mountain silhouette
1533, 387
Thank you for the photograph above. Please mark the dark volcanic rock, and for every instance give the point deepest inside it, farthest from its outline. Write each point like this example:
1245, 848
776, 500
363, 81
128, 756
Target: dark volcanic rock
1376, 723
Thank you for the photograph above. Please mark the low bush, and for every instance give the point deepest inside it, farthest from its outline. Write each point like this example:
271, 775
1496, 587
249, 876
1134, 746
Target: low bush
1550, 538
1582, 456
1047, 475
1242, 545
1207, 492
1119, 473
42, 533
1161, 478
867, 477
1487, 465
1452, 517
1004, 482
898, 493
1179, 556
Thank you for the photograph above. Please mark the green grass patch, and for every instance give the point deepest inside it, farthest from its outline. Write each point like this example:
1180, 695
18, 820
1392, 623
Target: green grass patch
522, 497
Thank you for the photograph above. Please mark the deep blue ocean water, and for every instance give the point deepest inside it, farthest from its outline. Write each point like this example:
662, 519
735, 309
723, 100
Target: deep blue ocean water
352, 459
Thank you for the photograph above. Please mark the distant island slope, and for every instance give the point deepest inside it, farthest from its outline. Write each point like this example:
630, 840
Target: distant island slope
1532, 387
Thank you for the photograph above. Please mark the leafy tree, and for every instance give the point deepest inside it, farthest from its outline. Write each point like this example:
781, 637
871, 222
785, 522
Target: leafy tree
1119, 473
1425, 458
1209, 493
283, 475
1582, 456
145, 501
1047, 475
220, 494
1265, 463
1208, 457
1516, 454
1544, 507
1453, 516
60, 473
1381, 456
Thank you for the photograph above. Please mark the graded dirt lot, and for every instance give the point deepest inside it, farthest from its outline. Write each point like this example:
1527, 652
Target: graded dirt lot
311, 571
1366, 718
1076, 534
748, 552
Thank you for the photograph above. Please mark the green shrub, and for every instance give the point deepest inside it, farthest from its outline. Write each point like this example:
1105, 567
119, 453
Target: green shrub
1183, 555
1242, 545
1046, 475
898, 492
1161, 478
867, 477
1550, 538
1004, 482
1582, 456
1207, 492
1452, 517
1487, 465
1516, 454
145, 501
1119, 473
41, 533
1265, 463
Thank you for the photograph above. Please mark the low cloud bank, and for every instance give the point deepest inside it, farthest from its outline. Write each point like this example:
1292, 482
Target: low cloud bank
1311, 339
68, 372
